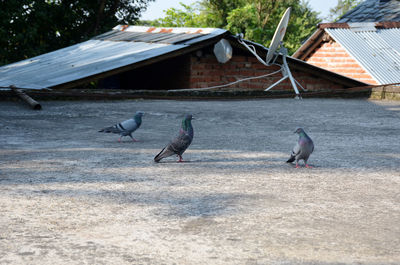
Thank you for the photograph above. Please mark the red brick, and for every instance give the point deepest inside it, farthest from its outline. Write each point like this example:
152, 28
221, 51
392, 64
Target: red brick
346, 65
239, 59
338, 60
219, 72
322, 65
246, 73
318, 55
317, 59
226, 67
252, 59
198, 66
337, 54
357, 75
233, 73
195, 79
258, 66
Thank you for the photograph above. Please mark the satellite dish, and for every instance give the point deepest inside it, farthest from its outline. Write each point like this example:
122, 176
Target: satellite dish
277, 41
278, 35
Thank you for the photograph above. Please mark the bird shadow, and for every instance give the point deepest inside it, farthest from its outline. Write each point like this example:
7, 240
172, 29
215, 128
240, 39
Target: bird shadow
176, 162
293, 165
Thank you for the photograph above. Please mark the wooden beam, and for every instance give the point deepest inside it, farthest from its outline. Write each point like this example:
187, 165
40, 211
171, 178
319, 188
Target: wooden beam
333, 26
387, 24
27, 99
311, 49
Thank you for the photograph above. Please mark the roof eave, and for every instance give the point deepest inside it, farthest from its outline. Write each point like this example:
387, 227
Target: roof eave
313, 40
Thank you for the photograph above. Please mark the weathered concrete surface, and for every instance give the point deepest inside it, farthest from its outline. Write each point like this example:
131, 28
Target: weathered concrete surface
386, 92
71, 195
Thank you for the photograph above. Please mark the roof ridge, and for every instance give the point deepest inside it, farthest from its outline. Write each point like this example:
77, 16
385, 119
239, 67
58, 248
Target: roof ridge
152, 29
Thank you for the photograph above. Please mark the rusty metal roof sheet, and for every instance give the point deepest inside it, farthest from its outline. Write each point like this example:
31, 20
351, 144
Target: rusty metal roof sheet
121, 47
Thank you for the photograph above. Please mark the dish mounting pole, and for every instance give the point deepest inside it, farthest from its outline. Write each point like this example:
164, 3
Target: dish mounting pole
286, 73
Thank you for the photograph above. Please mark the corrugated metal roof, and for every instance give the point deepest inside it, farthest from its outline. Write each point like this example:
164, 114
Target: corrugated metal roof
120, 47
373, 11
377, 51
168, 38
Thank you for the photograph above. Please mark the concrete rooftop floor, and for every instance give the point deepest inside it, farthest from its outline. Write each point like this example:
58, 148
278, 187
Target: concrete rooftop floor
71, 195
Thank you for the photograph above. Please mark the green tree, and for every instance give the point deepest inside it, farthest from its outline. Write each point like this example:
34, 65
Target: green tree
342, 7
186, 17
29, 28
215, 13
257, 19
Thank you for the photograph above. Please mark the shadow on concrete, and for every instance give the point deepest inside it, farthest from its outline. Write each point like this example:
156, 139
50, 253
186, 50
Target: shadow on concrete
167, 203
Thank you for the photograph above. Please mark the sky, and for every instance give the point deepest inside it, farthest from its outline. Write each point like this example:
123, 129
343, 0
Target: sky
156, 8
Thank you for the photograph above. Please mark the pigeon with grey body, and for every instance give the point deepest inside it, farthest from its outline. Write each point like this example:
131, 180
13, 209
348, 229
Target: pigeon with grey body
303, 149
180, 143
126, 128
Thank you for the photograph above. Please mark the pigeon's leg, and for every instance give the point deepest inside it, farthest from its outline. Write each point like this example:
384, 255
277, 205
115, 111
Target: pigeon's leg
133, 139
119, 139
180, 159
307, 166
297, 164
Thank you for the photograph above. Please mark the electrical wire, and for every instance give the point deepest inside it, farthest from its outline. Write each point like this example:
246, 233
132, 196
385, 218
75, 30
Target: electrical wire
225, 85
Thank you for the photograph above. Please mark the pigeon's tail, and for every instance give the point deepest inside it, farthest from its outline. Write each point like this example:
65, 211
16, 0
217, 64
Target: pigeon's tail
291, 159
112, 129
158, 157
164, 153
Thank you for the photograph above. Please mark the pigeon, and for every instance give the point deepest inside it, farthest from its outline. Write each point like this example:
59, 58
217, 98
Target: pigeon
302, 149
180, 143
126, 128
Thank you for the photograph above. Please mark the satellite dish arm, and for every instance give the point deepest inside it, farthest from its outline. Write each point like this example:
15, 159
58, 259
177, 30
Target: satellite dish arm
251, 48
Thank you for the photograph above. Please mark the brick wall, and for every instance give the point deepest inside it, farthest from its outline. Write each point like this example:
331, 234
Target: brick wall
191, 71
206, 71
333, 57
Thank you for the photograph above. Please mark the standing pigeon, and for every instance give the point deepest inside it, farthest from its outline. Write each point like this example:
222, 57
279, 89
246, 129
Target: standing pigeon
180, 143
126, 128
302, 149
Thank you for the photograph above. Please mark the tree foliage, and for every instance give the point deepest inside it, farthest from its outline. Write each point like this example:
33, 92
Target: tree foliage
186, 17
342, 7
256, 19
29, 28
